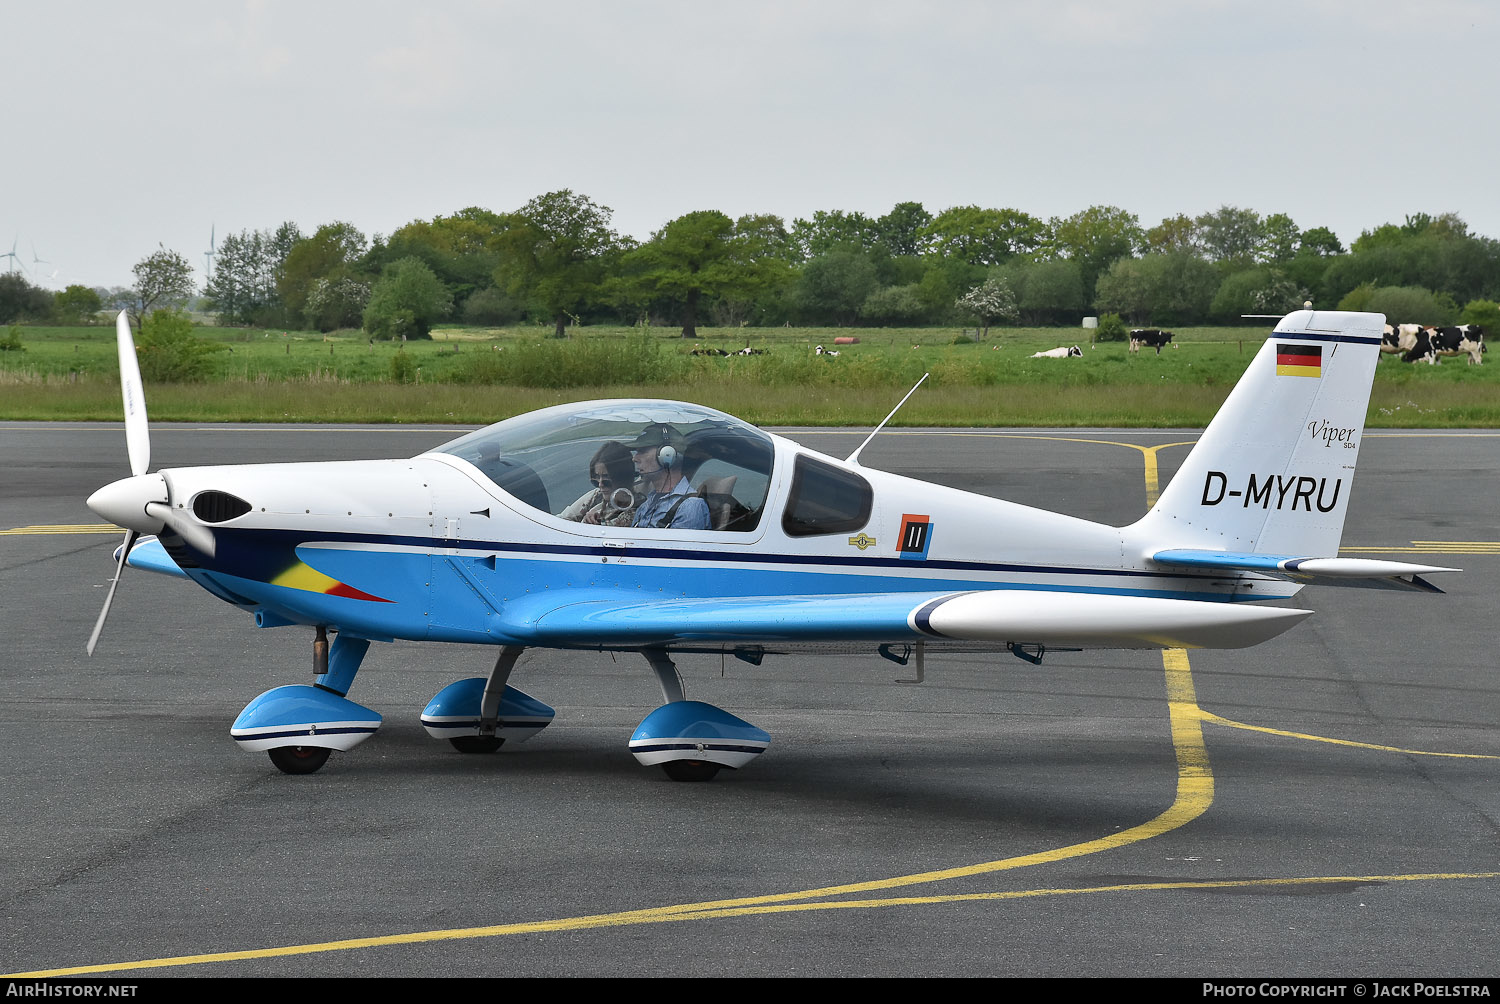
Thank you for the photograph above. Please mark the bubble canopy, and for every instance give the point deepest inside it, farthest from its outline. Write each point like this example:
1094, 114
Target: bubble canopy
542, 458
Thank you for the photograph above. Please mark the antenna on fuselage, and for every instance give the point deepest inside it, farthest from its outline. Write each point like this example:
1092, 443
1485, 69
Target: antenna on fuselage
853, 458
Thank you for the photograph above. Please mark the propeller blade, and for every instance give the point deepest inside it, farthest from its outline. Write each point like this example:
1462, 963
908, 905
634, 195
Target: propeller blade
137, 436
130, 538
196, 534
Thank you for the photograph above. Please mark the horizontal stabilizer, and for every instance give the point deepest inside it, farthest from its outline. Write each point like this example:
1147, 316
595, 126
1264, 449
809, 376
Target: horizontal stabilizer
150, 555
1365, 573
998, 616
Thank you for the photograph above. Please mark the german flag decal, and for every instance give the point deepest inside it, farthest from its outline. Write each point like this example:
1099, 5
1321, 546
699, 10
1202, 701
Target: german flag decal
1299, 360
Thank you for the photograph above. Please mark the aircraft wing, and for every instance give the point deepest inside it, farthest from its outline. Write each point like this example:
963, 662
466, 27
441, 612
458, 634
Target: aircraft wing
1366, 573
1058, 619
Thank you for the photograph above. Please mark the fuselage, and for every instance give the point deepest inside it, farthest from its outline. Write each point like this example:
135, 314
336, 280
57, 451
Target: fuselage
432, 548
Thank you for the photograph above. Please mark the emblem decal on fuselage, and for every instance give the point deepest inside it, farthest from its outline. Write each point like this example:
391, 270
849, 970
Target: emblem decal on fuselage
916, 537
861, 541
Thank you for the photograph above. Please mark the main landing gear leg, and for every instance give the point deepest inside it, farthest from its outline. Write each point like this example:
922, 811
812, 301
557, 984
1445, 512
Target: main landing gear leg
489, 705
479, 714
666, 675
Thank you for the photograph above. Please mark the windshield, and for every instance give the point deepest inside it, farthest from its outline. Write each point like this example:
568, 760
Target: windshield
546, 459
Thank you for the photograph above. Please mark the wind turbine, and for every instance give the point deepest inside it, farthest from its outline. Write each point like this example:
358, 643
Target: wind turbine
15, 259
38, 260
208, 257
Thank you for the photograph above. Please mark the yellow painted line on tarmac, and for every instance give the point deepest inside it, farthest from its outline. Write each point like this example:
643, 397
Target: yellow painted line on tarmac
1194, 796
1195, 793
61, 528
1209, 716
1430, 547
636, 917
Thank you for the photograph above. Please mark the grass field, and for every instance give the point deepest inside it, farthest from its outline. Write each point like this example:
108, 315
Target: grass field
467, 375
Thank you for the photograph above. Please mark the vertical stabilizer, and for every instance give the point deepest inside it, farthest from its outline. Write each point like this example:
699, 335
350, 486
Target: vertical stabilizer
1273, 471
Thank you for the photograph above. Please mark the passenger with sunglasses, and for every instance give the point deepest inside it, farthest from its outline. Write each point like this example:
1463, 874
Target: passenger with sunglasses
612, 499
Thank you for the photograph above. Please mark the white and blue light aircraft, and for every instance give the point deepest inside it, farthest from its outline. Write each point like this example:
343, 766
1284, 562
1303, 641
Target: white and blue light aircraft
469, 543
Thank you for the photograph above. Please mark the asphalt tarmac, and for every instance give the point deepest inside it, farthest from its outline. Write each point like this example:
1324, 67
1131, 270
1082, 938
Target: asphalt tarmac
1325, 804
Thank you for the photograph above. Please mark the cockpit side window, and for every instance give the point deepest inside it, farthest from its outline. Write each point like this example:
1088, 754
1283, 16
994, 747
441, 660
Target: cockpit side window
825, 499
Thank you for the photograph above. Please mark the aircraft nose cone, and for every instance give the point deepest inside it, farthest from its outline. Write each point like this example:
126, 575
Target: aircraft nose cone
123, 503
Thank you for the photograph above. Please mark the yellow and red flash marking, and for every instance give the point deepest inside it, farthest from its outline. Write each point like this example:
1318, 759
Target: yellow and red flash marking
305, 577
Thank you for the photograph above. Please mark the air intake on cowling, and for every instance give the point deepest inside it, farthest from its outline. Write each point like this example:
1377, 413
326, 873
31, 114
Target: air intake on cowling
218, 507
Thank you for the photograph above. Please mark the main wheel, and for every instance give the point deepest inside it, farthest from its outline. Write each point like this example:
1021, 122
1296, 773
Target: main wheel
690, 770
476, 744
299, 759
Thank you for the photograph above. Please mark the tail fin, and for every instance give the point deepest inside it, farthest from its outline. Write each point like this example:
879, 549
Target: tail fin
1267, 487
1273, 471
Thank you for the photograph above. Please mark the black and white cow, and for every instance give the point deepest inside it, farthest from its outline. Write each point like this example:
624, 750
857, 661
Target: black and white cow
1152, 338
1399, 338
1421, 349
1061, 352
1459, 339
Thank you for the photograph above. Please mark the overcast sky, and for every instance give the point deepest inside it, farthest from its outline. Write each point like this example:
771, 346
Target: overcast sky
126, 125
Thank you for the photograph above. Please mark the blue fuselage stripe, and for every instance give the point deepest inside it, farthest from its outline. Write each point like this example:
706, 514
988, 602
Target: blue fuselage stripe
1307, 336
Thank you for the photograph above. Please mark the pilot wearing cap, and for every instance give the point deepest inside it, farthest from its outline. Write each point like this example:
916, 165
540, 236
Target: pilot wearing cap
670, 500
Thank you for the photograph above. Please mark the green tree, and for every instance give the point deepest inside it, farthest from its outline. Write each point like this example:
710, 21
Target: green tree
21, 301
1095, 238
833, 229
76, 305
336, 303
902, 229
1319, 241
169, 351
163, 281
1173, 288
832, 287
1278, 238
406, 301
1402, 304
985, 236
1052, 292
1485, 313
330, 253
556, 253
491, 308
461, 249
1230, 234
944, 281
894, 305
1173, 235
242, 288
702, 257
1258, 290
990, 301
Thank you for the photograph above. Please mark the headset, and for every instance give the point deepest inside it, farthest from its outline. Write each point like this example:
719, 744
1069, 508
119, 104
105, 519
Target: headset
666, 455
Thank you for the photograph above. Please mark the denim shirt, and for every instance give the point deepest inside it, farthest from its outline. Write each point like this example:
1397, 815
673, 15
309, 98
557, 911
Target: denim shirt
692, 514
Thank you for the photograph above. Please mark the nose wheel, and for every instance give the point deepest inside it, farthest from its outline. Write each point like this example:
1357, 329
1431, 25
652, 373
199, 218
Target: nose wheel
299, 759
690, 770
476, 744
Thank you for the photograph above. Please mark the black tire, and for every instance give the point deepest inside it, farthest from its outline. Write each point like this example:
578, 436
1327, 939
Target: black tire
690, 770
476, 744
299, 759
